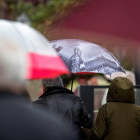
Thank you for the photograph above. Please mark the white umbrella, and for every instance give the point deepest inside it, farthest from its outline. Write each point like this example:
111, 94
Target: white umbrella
43, 61
83, 56
128, 74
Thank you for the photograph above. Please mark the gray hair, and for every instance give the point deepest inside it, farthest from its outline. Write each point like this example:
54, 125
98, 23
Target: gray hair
12, 63
57, 82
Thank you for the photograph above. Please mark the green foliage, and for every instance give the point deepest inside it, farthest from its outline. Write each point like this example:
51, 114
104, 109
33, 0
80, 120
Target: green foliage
43, 15
23, 7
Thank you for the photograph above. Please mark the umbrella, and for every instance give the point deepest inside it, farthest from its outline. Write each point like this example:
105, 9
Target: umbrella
42, 59
129, 74
82, 56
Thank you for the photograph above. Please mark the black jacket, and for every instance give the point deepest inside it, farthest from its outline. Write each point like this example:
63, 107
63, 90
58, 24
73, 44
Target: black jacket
20, 121
59, 100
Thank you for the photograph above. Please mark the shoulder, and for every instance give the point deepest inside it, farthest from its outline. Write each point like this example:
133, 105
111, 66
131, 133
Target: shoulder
103, 108
74, 100
78, 98
74, 97
38, 101
78, 101
137, 107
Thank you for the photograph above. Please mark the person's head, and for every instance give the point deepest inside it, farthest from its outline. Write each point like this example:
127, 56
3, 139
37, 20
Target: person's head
82, 80
12, 66
79, 52
47, 83
93, 81
76, 49
121, 90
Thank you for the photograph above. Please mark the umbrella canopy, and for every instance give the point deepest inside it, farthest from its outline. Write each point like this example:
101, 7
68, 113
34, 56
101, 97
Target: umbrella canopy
82, 56
128, 74
42, 59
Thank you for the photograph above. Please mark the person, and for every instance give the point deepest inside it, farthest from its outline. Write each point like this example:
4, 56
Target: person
59, 100
93, 81
82, 80
119, 118
75, 61
98, 95
25, 94
18, 119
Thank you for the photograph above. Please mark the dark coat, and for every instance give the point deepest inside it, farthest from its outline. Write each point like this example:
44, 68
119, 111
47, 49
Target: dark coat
119, 119
59, 100
20, 121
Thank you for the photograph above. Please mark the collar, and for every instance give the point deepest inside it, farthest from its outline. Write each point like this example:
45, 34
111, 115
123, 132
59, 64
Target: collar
55, 90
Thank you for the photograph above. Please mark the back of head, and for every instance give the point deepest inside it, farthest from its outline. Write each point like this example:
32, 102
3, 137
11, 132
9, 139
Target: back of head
57, 82
12, 65
121, 90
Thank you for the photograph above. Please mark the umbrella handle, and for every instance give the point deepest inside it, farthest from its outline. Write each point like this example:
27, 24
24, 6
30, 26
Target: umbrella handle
71, 83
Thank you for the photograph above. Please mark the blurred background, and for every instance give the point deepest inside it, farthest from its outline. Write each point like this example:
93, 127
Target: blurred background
51, 18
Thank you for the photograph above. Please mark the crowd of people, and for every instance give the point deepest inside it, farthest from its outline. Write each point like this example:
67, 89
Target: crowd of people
58, 114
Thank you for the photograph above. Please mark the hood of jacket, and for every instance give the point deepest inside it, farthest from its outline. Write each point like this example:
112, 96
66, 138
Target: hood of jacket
121, 90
